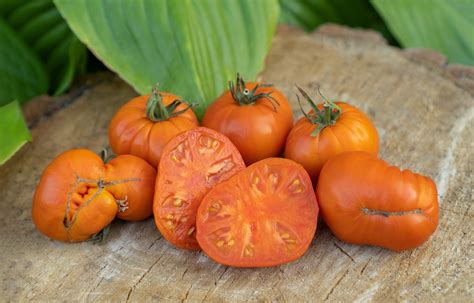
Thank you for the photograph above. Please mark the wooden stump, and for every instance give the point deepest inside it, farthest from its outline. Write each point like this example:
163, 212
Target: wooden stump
423, 109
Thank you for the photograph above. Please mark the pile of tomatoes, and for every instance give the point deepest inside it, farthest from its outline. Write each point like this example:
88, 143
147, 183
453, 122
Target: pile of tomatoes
223, 187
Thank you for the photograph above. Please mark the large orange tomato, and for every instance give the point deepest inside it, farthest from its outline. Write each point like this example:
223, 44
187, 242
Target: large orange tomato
192, 163
144, 125
78, 195
263, 216
329, 129
255, 117
363, 200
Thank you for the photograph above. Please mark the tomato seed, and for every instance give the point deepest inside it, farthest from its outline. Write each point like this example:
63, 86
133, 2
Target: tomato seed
178, 202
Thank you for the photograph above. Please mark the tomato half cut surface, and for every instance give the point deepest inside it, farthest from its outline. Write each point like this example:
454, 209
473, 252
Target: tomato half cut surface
263, 216
192, 163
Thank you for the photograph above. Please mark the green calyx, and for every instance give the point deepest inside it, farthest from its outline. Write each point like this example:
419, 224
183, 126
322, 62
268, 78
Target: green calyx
322, 118
243, 96
156, 111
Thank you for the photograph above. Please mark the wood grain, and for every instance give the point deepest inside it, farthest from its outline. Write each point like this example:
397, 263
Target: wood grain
423, 109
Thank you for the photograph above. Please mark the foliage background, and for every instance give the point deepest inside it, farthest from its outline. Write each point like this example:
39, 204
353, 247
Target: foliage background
191, 47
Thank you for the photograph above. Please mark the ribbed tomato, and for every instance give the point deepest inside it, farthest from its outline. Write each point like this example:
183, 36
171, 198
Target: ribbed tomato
364, 200
192, 163
144, 125
78, 195
329, 129
263, 216
256, 117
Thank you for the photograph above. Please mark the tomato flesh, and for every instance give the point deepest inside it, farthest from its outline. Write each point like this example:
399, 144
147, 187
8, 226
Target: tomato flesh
192, 163
263, 216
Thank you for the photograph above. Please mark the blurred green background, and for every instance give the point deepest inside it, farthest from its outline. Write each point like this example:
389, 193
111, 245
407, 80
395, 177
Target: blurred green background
191, 47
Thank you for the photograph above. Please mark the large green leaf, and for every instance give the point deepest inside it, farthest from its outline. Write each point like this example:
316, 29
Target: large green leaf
13, 130
309, 14
21, 74
43, 29
191, 47
446, 26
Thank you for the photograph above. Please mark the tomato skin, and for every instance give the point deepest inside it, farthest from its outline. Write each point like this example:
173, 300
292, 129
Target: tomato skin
364, 200
192, 163
257, 130
352, 131
60, 182
267, 214
132, 132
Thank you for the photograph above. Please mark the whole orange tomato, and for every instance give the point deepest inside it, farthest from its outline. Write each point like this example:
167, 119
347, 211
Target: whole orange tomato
363, 200
255, 117
329, 129
78, 195
144, 125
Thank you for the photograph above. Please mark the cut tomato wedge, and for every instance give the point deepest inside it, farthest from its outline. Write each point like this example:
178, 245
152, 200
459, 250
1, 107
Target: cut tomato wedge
191, 164
263, 216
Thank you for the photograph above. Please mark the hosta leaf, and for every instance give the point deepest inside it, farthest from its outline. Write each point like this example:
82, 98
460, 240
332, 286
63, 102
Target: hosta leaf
191, 47
42, 28
13, 130
21, 74
446, 26
309, 14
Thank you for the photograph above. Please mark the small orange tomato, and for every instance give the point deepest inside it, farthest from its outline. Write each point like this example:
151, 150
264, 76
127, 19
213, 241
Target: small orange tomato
329, 129
78, 195
255, 117
144, 125
363, 200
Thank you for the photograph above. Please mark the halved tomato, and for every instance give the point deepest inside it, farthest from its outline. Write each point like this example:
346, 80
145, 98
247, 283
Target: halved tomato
263, 216
191, 164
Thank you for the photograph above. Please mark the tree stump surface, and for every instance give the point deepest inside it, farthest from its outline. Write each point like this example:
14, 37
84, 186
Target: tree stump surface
423, 110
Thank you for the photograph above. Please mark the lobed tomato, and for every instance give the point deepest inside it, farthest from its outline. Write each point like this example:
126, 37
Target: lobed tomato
192, 163
255, 117
144, 125
263, 216
363, 200
78, 195
331, 128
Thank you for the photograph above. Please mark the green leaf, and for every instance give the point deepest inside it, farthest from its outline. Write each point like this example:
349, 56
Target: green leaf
446, 26
42, 28
309, 14
21, 74
13, 130
191, 47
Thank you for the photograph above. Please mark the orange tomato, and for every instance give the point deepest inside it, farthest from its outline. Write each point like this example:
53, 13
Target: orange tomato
329, 129
78, 195
144, 125
265, 215
254, 116
363, 200
192, 163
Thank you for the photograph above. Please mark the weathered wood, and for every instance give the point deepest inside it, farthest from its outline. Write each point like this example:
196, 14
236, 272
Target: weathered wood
424, 112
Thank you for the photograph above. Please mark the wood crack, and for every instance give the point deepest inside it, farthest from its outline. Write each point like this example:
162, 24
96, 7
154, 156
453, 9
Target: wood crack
134, 286
220, 276
186, 294
344, 252
335, 285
